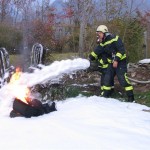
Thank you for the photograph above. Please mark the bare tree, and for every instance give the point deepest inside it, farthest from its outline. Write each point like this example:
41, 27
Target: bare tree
43, 9
82, 10
4, 9
131, 11
81, 14
25, 8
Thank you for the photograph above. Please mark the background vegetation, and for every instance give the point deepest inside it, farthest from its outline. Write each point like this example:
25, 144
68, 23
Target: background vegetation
70, 26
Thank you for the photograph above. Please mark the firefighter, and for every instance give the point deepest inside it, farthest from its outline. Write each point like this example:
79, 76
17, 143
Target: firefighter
114, 49
99, 62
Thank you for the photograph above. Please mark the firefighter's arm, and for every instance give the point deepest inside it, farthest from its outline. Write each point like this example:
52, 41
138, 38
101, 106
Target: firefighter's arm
94, 55
120, 50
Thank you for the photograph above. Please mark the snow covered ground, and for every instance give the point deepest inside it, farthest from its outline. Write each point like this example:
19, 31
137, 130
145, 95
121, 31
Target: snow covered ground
81, 123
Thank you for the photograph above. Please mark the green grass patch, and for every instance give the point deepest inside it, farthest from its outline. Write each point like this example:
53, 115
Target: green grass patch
64, 56
16, 60
143, 98
73, 91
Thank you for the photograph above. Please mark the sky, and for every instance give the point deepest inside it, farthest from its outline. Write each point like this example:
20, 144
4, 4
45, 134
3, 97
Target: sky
80, 123
52, 1
142, 4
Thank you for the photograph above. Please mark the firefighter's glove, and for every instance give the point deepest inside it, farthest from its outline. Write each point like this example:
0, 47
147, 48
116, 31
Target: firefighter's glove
93, 66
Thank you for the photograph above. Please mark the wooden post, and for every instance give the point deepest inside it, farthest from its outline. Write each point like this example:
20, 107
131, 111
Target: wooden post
145, 42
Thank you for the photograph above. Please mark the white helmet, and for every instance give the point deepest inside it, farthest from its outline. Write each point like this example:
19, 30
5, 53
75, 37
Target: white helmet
102, 28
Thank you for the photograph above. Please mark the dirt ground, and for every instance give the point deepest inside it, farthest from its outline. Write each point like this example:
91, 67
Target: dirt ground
88, 84
90, 81
140, 72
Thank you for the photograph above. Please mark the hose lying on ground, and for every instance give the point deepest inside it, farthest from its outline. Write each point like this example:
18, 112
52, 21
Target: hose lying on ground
138, 81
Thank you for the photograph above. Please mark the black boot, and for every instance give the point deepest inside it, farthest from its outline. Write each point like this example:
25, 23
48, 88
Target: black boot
112, 91
106, 93
53, 107
131, 98
49, 107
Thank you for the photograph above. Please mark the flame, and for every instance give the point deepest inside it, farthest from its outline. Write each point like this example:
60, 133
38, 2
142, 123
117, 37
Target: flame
16, 76
21, 92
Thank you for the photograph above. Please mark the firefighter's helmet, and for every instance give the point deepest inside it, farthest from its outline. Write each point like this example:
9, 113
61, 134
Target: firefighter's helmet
102, 28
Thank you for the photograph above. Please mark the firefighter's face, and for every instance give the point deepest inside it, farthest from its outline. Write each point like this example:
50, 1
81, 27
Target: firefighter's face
100, 35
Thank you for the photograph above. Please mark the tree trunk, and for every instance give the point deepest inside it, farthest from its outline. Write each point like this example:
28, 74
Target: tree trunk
83, 26
81, 39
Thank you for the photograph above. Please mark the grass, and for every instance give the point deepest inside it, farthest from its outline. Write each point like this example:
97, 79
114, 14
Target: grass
18, 59
63, 56
141, 98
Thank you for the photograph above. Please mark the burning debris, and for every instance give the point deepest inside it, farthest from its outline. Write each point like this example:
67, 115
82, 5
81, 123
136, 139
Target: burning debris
24, 104
47, 77
33, 108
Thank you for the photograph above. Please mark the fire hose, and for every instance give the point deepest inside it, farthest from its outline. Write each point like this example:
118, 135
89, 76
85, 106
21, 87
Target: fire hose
138, 81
